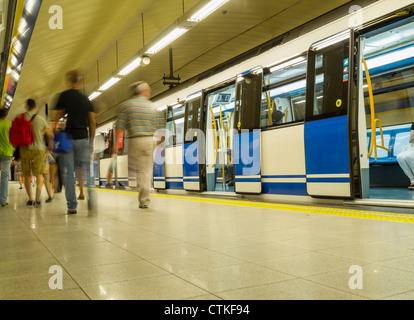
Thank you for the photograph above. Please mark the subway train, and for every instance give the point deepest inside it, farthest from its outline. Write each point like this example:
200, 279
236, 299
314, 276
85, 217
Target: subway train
321, 116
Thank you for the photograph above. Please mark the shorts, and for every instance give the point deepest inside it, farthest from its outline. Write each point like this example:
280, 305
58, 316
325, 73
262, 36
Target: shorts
34, 162
17, 167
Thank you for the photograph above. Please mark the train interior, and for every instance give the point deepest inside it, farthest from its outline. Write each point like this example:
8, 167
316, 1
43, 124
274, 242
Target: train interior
219, 137
389, 56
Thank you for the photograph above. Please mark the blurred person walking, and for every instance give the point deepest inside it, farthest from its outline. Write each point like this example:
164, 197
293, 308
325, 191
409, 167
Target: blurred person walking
6, 156
139, 118
80, 126
34, 157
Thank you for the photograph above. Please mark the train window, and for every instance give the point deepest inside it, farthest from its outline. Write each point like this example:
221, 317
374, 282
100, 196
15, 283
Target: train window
175, 125
283, 99
192, 119
248, 99
389, 56
328, 79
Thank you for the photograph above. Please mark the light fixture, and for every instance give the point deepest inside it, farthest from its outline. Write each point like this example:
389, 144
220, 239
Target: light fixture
332, 40
391, 57
22, 25
109, 83
290, 63
94, 95
145, 60
173, 35
207, 10
130, 67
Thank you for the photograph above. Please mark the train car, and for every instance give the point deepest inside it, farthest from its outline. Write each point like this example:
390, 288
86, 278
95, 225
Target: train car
320, 117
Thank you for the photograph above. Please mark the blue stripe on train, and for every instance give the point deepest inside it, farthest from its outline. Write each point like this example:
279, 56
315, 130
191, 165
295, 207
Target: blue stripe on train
286, 188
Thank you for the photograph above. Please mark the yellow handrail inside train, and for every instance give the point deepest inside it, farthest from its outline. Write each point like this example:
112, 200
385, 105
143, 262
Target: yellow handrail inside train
222, 145
215, 136
286, 115
270, 105
373, 120
228, 136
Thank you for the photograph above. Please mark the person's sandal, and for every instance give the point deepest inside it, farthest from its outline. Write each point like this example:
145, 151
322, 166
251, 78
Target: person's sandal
72, 211
49, 200
30, 203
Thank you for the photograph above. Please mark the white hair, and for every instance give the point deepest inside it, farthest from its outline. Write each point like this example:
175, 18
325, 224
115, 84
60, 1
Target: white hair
138, 87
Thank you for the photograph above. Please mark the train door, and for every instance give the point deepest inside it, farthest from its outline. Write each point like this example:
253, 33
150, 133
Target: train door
327, 144
219, 110
194, 143
386, 94
247, 152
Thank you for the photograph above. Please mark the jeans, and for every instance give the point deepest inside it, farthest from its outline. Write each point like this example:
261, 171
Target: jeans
80, 157
5, 163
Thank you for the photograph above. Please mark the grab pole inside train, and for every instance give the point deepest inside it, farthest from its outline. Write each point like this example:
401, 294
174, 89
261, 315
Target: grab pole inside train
373, 120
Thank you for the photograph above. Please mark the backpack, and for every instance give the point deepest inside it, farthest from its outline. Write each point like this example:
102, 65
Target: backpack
21, 133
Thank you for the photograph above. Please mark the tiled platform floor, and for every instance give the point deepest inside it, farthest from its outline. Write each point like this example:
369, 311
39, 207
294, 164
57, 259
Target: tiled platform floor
189, 249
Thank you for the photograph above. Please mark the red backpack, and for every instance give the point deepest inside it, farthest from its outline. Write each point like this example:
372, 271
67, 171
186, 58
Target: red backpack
21, 133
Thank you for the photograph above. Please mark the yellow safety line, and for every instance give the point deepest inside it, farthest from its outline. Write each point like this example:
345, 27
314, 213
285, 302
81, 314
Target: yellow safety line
386, 216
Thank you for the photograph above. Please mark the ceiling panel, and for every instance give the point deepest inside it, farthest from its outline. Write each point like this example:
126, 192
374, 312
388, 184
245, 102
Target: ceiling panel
100, 35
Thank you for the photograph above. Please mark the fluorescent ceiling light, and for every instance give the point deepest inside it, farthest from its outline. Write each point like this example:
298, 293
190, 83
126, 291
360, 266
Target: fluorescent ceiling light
18, 46
130, 67
173, 35
22, 25
287, 64
14, 60
109, 83
207, 10
391, 57
29, 6
288, 88
332, 40
94, 95
15, 75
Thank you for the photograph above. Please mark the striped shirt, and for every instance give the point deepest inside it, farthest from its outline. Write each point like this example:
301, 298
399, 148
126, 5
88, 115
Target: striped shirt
139, 117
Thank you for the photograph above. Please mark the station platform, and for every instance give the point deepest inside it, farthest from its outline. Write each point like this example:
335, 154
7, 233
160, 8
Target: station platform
201, 248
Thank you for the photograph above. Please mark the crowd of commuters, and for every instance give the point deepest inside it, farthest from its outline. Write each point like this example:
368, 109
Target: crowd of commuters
39, 162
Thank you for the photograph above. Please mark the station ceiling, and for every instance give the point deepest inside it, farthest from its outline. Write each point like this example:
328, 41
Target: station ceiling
99, 36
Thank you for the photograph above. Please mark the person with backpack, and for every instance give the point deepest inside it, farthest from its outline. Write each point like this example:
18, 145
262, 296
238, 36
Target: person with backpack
6, 156
34, 157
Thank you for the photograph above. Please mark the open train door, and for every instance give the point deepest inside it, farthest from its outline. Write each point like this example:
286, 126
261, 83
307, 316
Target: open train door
246, 151
328, 125
194, 143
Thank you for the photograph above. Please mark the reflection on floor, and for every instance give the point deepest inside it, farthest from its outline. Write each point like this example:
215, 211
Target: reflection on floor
200, 248
393, 193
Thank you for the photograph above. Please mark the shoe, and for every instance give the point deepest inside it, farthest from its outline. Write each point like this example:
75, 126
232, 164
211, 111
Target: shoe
49, 199
143, 206
108, 185
72, 211
30, 203
4, 204
21, 188
81, 197
121, 186
37, 204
